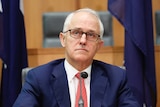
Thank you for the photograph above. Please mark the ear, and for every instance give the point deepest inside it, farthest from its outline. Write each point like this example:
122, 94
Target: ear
100, 44
62, 39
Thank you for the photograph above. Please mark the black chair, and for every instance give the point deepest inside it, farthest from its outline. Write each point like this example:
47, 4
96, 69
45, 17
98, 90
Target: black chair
157, 21
24, 74
53, 25
106, 19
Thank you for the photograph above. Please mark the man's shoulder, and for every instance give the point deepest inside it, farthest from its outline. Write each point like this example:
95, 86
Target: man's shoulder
48, 67
106, 65
52, 63
107, 68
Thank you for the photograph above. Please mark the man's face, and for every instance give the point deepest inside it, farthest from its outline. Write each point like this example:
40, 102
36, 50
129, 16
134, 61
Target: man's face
81, 49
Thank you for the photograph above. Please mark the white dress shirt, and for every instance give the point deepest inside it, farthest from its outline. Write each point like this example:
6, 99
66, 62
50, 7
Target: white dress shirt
73, 82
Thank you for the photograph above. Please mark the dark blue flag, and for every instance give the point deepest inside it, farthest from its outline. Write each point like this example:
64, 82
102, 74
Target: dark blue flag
136, 17
13, 51
1, 27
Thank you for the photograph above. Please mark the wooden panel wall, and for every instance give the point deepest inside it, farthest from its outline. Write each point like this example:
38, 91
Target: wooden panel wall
157, 62
33, 10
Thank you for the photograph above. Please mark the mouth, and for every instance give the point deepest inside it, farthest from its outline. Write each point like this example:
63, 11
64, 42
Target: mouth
82, 49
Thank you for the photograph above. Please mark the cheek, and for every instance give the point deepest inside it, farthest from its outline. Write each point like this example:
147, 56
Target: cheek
94, 47
94, 50
70, 45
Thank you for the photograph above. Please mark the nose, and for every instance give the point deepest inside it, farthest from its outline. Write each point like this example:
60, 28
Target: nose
83, 39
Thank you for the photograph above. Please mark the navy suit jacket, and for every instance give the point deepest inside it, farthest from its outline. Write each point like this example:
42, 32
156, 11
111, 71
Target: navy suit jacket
47, 86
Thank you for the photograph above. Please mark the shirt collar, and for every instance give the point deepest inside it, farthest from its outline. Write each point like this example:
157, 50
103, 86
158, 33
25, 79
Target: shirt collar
71, 71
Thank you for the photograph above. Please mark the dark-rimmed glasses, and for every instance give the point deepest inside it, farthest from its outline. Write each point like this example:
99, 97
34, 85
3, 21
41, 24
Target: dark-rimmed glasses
77, 34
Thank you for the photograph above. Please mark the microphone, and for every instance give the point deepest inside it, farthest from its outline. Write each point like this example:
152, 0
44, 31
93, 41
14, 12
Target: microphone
83, 75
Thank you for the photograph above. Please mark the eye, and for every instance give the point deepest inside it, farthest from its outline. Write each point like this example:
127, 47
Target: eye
91, 34
76, 32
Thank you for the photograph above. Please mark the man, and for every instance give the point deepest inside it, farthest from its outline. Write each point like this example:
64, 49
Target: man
55, 84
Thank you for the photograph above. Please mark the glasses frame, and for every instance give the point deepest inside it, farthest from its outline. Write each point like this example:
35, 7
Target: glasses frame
86, 33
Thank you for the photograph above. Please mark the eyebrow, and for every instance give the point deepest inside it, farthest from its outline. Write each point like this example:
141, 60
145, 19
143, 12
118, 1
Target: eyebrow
87, 30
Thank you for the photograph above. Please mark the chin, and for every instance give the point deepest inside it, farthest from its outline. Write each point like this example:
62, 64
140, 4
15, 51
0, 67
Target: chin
82, 58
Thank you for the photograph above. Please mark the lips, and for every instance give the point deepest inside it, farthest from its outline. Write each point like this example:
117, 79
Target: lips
82, 49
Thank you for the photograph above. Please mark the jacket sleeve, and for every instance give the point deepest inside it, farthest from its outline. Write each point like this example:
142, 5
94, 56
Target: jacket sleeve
29, 95
126, 97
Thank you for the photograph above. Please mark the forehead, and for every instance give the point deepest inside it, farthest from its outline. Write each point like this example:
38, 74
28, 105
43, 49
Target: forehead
85, 21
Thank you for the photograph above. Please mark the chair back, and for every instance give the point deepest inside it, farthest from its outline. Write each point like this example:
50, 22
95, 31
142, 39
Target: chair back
157, 21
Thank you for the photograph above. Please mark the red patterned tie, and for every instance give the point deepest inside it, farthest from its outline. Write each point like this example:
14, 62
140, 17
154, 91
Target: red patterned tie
81, 96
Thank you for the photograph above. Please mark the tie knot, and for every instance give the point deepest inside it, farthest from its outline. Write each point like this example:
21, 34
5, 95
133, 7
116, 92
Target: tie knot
78, 75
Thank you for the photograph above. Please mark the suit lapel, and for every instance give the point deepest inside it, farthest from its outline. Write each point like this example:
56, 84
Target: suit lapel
99, 82
60, 86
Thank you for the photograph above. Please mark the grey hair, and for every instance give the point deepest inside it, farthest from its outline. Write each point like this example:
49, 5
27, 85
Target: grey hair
69, 17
